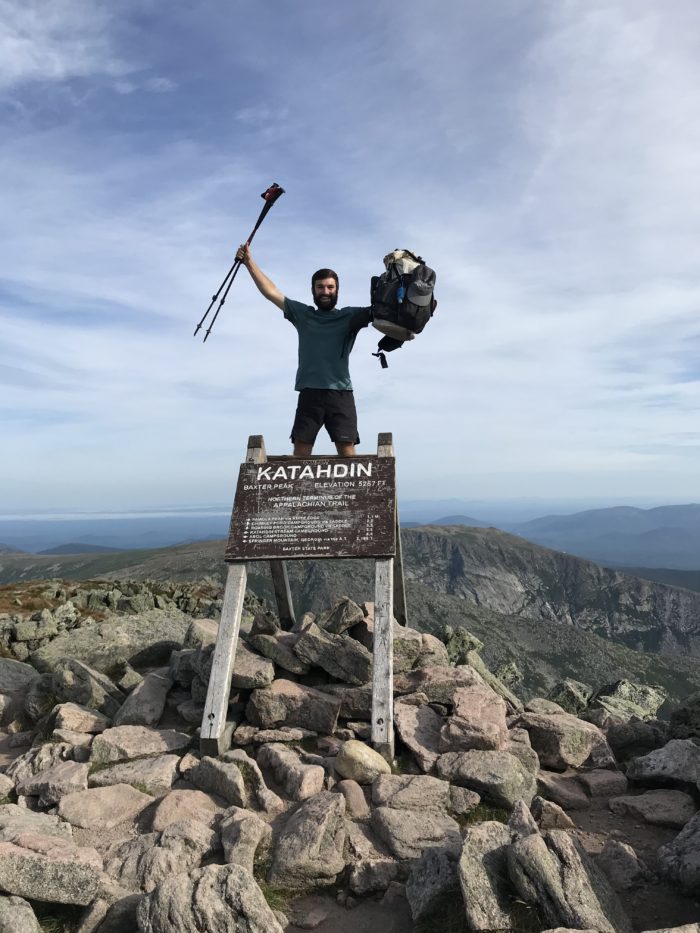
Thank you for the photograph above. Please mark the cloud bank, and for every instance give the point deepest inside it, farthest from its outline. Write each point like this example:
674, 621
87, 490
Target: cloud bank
540, 156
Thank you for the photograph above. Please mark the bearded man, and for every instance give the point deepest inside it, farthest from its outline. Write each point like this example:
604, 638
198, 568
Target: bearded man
326, 337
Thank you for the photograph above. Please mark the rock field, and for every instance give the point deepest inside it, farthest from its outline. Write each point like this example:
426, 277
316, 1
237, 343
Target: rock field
576, 811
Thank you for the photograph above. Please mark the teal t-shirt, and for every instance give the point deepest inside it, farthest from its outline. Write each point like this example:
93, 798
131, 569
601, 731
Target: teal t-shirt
325, 341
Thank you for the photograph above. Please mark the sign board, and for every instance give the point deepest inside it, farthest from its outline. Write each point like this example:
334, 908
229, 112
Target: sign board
324, 507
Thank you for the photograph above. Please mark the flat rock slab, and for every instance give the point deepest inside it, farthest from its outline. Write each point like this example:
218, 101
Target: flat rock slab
145, 638
79, 740
124, 743
17, 916
103, 807
341, 616
672, 808
279, 648
224, 898
285, 734
549, 815
564, 790
561, 741
603, 783
496, 776
154, 776
411, 792
339, 655
419, 728
54, 783
38, 759
479, 720
676, 764
256, 787
625, 699
187, 805
438, 683
44, 868
15, 820
310, 849
300, 781
483, 874
142, 862
250, 670
409, 833
78, 718
291, 704
622, 866
355, 702
554, 872
145, 704
221, 778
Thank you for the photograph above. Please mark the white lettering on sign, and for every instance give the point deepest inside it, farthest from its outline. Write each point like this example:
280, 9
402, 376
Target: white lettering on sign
315, 471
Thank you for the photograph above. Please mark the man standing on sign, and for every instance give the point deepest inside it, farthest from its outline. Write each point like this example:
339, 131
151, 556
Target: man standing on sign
326, 337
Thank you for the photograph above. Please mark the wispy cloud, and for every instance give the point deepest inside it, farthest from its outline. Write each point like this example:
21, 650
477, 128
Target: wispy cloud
55, 40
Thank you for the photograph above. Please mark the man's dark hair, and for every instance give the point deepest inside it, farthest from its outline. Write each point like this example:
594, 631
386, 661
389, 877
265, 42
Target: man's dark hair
324, 274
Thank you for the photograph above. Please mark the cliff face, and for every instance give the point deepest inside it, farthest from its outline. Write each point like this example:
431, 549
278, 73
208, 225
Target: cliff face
497, 571
482, 569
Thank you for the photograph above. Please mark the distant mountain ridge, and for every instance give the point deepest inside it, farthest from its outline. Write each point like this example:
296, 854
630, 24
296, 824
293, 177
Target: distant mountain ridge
553, 614
80, 547
461, 520
507, 574
666, 536
483, 567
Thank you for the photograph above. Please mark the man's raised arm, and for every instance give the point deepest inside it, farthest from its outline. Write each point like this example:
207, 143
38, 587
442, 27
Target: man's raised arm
264, 285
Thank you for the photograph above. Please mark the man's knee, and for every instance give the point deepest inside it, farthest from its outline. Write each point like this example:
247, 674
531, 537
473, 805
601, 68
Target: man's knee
345, 450
302, 449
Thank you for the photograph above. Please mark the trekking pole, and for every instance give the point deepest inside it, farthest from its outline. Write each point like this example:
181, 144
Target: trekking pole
269, 196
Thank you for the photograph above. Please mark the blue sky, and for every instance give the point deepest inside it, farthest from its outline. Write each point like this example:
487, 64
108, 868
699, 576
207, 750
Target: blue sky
542, 156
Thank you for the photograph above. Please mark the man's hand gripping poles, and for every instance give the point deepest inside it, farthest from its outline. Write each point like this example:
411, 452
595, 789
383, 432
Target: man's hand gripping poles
269, 196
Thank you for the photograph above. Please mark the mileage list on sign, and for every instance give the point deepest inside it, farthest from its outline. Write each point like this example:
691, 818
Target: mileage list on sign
324, 507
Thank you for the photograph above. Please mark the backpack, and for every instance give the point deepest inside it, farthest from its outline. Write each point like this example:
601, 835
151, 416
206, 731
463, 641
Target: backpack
402, 300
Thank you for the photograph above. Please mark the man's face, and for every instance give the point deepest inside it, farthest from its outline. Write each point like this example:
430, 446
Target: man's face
325, 293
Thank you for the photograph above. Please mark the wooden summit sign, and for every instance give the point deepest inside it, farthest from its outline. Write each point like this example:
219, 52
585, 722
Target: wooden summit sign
322, 507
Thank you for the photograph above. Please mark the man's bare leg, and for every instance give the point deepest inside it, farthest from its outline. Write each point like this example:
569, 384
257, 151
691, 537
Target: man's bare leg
345, 450
301, 449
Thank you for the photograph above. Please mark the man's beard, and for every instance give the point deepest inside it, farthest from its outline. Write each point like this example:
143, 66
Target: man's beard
326, 302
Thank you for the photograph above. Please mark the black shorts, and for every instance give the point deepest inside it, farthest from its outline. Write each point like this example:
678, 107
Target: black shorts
333, 409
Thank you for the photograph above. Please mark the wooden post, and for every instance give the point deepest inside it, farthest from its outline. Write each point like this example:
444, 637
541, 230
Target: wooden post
383, 668
399, 586
383, 649
212, 738
278, 569
283, 594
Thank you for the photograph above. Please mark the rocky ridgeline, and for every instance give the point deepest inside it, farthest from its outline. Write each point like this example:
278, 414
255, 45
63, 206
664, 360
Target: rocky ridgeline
111, 807
63, 609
